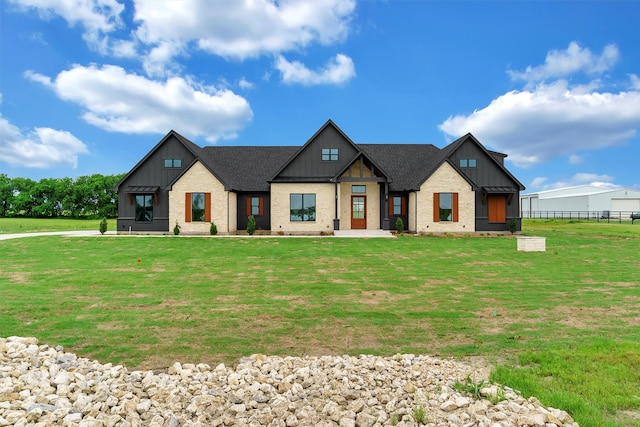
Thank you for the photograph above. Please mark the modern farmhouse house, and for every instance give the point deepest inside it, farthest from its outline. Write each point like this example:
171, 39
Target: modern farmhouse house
330, 183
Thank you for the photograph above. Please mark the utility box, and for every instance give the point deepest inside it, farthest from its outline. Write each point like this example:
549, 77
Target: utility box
532, 244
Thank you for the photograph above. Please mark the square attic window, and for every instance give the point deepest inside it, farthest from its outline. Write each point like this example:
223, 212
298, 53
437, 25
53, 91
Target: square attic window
330, 154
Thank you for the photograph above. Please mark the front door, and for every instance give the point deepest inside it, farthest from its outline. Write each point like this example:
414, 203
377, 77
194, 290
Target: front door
359, 212
497, 208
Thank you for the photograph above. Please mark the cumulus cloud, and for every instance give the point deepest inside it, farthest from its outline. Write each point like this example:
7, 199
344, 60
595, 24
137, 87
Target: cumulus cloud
574, 59
118, 101
553, 119
39, 148
97, 17
602, 181
243, 29
337, 71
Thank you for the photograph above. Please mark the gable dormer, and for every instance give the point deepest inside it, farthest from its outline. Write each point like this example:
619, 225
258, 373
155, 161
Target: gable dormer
321, 158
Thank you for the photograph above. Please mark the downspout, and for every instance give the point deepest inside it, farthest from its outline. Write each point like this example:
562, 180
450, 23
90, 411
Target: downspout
228, 230
415, 207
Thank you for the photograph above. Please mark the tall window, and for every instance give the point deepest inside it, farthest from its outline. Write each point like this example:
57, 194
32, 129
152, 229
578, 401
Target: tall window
144, 207
446, 207
302, 207
197, 207
255, 205
330, 154
397, 205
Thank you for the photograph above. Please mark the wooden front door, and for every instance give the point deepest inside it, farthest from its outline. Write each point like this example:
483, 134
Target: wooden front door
358, 212
497, 208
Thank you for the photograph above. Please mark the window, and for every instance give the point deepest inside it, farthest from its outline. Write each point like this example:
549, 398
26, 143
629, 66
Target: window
397, 205
197, 207
144, 207
255, 205
467, 163
359, 189
173, 163
445, 207
302, 207
330, 154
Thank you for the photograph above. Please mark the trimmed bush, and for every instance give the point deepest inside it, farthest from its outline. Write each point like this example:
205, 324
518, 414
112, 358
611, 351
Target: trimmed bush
103, 225
251, 225
399, 225
213, 229
176, 229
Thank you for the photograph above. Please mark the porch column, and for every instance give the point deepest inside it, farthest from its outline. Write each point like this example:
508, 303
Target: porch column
385, 220
336, 220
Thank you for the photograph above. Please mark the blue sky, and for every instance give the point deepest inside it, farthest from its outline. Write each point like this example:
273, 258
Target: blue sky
90, 86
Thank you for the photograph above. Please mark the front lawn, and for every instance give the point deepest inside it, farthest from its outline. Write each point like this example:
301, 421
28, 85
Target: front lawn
149, 301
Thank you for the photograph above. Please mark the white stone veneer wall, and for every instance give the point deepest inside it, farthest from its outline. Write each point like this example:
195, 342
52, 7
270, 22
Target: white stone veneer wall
198, 179
280, 208
444, 180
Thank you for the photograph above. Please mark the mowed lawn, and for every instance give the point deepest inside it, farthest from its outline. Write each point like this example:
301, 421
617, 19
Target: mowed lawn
563, 325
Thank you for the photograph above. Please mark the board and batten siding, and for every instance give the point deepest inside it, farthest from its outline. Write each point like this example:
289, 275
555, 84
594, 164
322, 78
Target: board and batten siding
281, 209
198, 179
444, 180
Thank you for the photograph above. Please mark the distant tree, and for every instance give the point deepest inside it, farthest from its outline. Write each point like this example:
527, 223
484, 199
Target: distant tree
23, 202
6, 195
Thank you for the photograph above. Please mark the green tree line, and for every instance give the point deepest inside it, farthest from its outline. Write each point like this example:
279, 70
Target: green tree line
85, 197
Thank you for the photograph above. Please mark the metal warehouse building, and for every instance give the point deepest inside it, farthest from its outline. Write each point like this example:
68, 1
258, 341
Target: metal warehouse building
587, 200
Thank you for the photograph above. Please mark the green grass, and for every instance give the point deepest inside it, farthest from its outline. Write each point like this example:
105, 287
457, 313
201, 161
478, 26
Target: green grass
562, 325
31, 225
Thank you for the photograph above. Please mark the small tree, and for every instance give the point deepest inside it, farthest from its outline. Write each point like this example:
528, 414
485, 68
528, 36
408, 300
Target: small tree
176, 229
213, 230
251, 225
103, 225
399, 225
513, 225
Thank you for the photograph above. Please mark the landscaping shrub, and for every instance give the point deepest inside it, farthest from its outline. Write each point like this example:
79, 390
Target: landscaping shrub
103, 225
251, 225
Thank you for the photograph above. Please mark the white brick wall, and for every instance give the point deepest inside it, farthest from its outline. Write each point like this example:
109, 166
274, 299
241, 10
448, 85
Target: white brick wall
198, 179
445, 180
280, 208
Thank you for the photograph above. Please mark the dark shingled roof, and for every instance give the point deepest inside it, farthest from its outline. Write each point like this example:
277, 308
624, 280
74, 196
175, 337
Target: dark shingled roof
250, 168
401, 162
246, 168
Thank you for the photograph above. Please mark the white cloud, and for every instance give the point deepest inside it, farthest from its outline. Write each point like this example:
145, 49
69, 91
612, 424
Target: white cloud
562, 63
602, 181
245, 84
339, 70
40, 148
635, 81
118, 101
534, 126
96, 16
243, 29
575, 159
